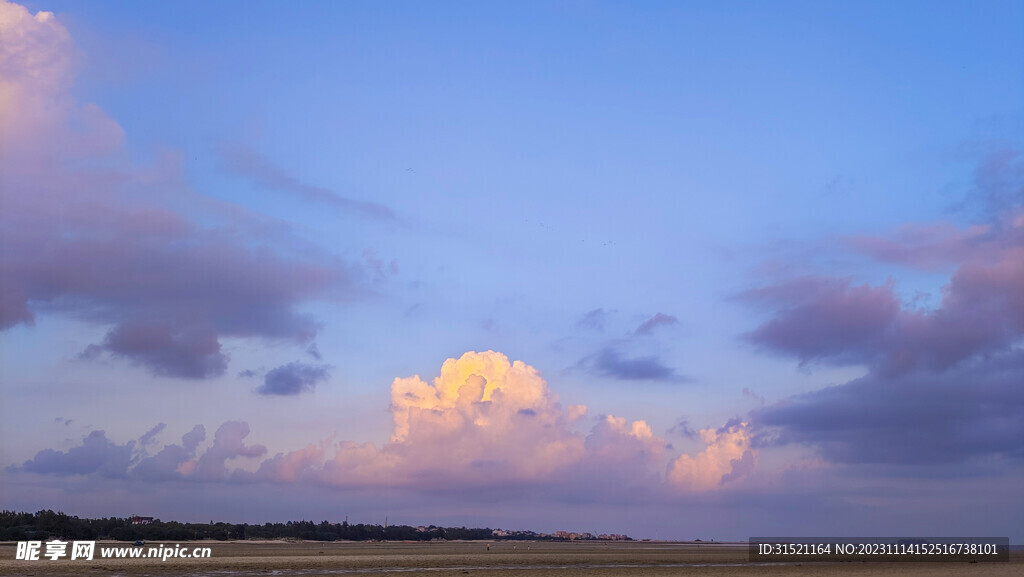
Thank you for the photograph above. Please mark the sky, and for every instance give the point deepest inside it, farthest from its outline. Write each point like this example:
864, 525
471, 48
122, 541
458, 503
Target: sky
678, 270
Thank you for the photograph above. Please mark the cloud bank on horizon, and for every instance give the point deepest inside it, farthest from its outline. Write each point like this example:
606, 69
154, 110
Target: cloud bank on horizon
484, 422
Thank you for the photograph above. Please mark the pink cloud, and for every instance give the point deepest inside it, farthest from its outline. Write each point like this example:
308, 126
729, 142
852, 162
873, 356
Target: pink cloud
727, 456
483, 422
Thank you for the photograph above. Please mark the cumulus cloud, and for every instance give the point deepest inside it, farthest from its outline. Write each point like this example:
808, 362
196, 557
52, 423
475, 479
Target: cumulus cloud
483, 415
96, 455
484, 422
577, 412
172, 461
293, 379
620, 453
290, 467
260, 170
90, 234
727, 456
658, 320
228, 443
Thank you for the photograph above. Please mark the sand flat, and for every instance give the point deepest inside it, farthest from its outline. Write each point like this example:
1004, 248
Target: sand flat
504, 559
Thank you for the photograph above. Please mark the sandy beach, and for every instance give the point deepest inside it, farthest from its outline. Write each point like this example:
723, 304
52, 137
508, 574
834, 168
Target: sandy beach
504, 559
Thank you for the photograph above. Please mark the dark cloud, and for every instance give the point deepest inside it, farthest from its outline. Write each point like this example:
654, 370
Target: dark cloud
658, 320
133, 249
944, 385
609, 362
683, 429
194, 353
314, 351
261, 171
834, 321
975, 409
293, 378
96, 455
170, 297
149, 436
825, 319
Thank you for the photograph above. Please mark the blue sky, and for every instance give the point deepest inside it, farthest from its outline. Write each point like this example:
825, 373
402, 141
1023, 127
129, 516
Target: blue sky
809, 195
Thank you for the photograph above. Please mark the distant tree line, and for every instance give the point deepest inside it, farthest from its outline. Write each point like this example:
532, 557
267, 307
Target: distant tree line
48, 524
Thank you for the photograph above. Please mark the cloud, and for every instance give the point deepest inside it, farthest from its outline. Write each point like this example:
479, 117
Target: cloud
943, 385
628, 454
981, 313
293, 379
834, 321
577, 412
290, 467
194, 353
931, 246
658, 320
228, 443
751, 394
608, 362
484, 423
132, 248
973, 410
261, 171
999, 183
593, 320
172, 461
683, 429
96, 455
464, 421
150, 436
825, 319
728, 456
314, 351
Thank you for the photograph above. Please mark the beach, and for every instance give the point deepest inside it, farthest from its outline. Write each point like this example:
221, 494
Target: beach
503, 559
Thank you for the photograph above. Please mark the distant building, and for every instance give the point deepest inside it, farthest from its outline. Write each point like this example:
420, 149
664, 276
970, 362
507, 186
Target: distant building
141, 520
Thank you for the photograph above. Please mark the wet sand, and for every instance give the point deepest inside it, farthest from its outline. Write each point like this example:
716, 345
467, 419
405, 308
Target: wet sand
451, 559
